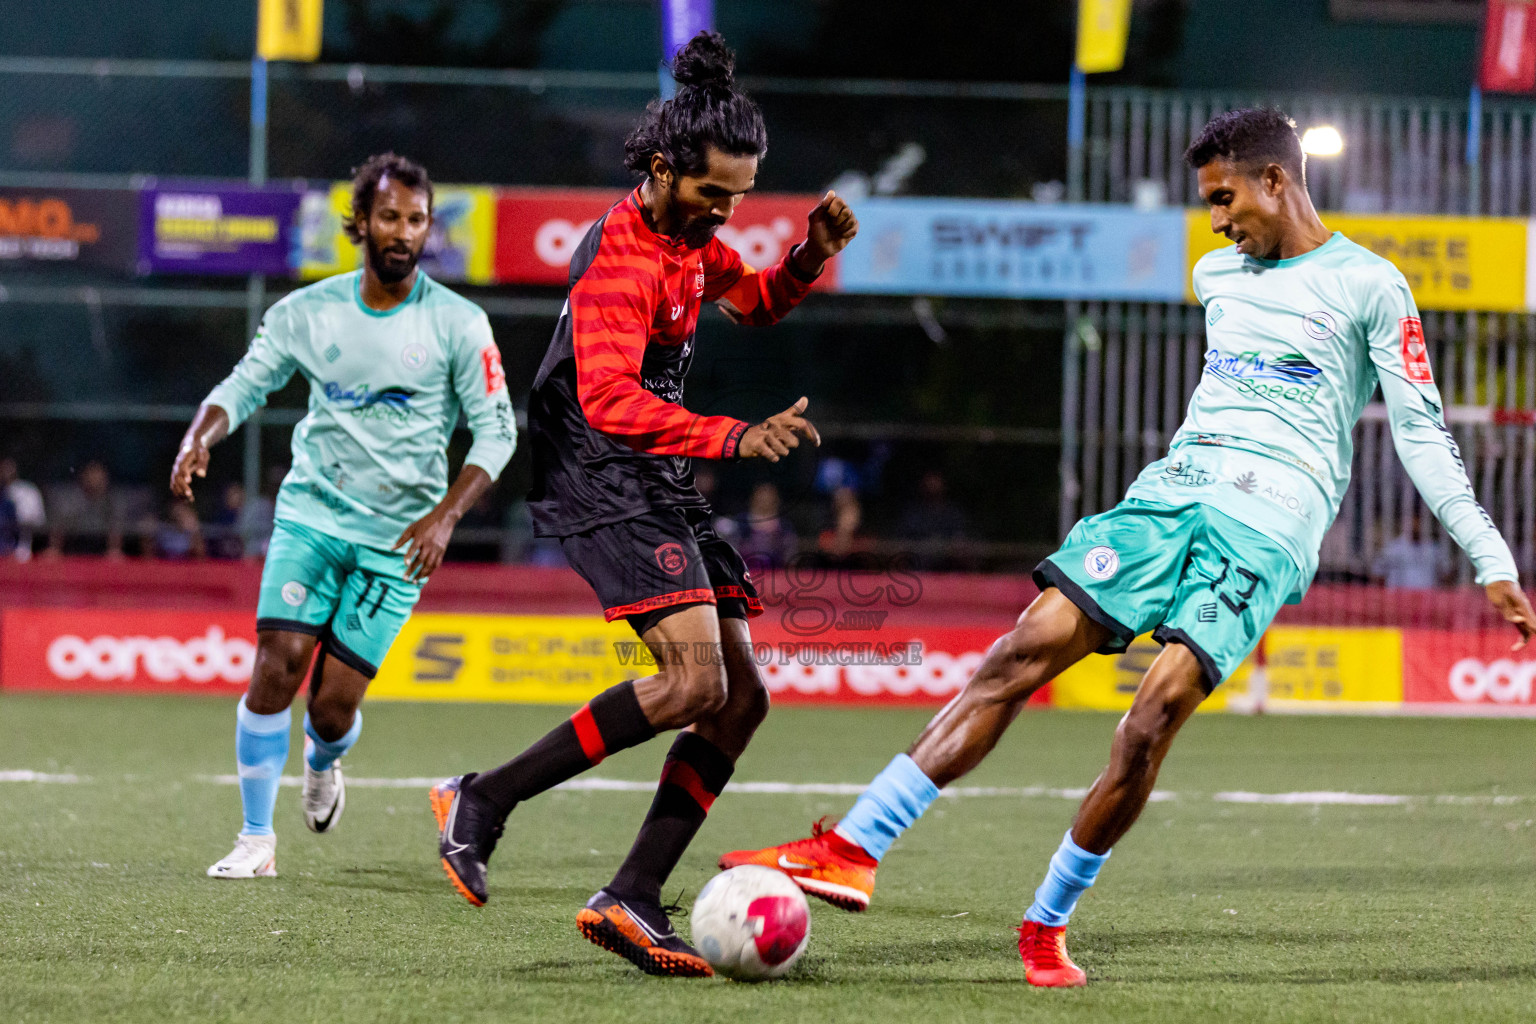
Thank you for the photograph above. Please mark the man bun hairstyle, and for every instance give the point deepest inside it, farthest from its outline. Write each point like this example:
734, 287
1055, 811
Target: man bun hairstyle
708, 110
365, 185
1251, 138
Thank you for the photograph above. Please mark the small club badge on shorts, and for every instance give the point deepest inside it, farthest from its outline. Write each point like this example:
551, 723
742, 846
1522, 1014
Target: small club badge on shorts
1101, 562
294, 593
672, 559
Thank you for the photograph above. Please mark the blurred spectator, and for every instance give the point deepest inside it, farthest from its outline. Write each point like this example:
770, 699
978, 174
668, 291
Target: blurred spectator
26, 504
762, 535
520, 546
933, 516
87, 520
224, 538
479, 535
257, 514
844, 541
1411, 561
179, 535
9, 530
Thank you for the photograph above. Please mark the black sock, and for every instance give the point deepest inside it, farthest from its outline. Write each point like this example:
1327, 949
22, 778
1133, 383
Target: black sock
608, 723
695, 773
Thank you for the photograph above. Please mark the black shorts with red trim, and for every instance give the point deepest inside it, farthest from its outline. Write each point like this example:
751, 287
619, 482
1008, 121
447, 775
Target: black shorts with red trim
647, 568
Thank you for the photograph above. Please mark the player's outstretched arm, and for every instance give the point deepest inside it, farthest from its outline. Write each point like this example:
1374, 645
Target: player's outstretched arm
763, 297
426, 540
1512, 603
208, 428
774, 437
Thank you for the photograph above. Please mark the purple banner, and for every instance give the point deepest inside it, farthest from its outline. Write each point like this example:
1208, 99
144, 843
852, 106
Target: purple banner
681, 20
198, 229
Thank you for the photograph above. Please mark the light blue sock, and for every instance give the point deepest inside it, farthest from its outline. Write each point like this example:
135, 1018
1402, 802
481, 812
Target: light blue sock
325, 752
261, 750
897, 798
1071, 873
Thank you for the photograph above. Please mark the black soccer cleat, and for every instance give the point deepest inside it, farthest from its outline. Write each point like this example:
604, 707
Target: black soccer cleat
467, 830
640, 932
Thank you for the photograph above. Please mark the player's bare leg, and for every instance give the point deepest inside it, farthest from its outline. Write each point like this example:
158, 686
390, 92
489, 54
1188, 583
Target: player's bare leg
1169, 693
839, 865
261, 748
626, 916
336, 692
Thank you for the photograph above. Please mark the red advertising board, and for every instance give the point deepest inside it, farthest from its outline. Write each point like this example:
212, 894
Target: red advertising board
914, 663
1509, 46
1471, 668
138, 650
537, 230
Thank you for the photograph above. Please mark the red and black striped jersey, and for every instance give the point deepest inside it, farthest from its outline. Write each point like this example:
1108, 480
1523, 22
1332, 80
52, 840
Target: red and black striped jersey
609, 434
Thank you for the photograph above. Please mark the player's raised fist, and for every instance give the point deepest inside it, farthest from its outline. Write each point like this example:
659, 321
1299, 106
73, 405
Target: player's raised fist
829, 229
774, 437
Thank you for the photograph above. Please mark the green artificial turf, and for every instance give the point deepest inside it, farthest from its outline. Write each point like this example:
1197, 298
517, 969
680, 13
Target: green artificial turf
1208, 911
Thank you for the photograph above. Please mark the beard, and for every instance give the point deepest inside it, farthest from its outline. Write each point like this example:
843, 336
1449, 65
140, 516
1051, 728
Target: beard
697, 230
394, 264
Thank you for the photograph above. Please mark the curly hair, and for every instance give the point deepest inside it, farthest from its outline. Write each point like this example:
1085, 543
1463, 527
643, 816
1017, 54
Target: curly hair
1251, 137
365, 185
708, 110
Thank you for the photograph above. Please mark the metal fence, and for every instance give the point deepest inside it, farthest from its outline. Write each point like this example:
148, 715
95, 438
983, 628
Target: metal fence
1134, 366
1400, 155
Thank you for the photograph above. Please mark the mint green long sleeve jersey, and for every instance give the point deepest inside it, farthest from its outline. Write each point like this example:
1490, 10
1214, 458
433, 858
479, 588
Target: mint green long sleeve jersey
1295, 349
385, 392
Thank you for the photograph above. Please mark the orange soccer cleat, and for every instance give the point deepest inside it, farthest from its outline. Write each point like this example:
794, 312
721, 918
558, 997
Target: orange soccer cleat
1046, 963
826, 866
641, 933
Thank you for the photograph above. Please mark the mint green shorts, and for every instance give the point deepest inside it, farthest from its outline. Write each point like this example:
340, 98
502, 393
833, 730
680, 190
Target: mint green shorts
354, 597
1189, 574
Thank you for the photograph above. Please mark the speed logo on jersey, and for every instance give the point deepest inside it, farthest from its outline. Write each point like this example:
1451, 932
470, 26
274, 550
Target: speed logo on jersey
1101, 562
1415, 351
672, 558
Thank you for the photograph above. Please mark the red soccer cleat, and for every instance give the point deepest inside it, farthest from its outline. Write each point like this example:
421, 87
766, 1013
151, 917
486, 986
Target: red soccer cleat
826, 866
1046, 963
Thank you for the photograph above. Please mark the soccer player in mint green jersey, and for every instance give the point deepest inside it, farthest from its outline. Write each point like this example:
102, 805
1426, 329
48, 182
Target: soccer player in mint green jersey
365, 514
1302, 327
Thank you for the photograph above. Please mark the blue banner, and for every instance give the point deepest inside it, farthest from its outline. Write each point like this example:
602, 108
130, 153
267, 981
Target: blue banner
1019, 250
681, 20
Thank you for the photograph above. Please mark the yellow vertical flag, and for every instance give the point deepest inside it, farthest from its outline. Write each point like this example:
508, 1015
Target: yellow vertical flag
1102, 27
288, 29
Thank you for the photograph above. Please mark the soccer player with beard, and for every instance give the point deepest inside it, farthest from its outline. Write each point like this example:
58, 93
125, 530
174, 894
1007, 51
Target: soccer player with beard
365, 514
612, 479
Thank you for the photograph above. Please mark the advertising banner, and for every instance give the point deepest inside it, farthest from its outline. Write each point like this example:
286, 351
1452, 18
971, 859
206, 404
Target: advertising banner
560, 659
95, 228
94, 650
1005, 249
216, 229
1468, 669
1452, 263
459, 249
1509, 47
1318, 665
537, 230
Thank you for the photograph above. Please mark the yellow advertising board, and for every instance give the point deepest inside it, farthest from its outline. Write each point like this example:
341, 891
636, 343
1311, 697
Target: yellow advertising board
289, 29
1455, 263
1321, 665
1108, 682
1102, 29
529, 659
461, 247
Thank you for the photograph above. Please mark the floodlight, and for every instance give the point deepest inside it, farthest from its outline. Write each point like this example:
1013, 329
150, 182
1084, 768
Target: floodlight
1324, 140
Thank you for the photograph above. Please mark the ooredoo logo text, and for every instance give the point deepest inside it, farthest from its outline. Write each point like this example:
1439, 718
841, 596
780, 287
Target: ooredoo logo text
1503, 681
200, 659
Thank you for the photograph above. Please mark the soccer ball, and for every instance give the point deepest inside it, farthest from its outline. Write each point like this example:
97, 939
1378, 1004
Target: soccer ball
751, 923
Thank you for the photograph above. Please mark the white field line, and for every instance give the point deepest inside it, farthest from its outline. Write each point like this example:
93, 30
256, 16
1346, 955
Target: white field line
599, 785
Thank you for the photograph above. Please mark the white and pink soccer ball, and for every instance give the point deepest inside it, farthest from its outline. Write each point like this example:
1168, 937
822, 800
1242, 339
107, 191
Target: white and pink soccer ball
751, 923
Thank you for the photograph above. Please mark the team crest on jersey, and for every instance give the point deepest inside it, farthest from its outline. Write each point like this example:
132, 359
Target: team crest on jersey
414, 356
1319, 324
1101, 562
672, 559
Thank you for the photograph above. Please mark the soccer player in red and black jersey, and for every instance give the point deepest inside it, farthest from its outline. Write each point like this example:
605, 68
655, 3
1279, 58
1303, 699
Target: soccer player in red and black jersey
613, 481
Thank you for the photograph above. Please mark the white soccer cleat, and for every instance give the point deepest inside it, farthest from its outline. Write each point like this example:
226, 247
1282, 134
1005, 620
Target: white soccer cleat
252, 857
325, 794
